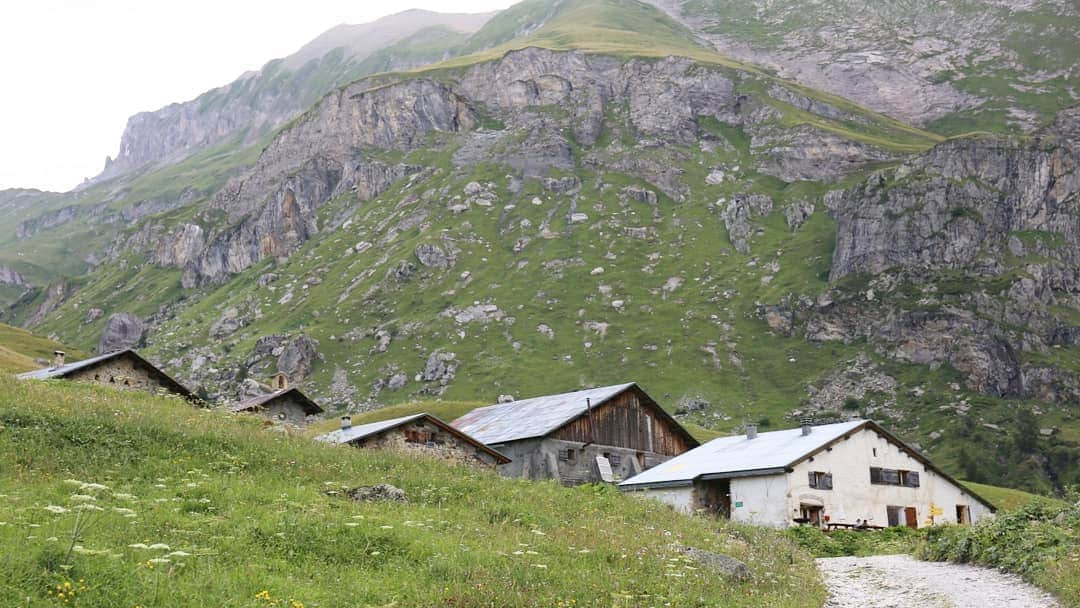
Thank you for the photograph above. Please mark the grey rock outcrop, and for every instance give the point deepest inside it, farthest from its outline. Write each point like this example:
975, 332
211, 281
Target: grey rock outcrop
122, 330
737, 216
441, 367
298, 357
9, 276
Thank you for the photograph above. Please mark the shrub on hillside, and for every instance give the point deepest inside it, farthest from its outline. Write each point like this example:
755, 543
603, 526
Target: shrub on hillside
853, 542
1039, 541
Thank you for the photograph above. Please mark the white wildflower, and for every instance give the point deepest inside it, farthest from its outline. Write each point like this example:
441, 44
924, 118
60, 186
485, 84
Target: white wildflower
138, 546
179, 554
82, 498
86, 507
160, 560
519, 553
56, 509
351, 524
538, 533
92, 487
540, 566
51, 539
387, 527
125, 512
159, 547
123, 496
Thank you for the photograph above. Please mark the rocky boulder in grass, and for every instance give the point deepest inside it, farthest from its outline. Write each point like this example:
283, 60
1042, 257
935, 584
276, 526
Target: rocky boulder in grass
383, 492
725, 565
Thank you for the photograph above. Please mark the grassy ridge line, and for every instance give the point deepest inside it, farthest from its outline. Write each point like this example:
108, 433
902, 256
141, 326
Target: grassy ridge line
19, 348
244, 514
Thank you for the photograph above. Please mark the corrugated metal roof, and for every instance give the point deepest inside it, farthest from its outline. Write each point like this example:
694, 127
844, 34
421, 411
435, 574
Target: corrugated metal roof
737, 454
67, 368
535, 417
310, 407
364, 430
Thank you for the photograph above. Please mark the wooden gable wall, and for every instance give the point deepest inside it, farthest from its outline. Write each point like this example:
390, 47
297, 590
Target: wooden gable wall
629, 420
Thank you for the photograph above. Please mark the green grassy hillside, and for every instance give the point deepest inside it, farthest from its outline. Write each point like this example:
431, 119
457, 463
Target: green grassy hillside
19, 348
121, 499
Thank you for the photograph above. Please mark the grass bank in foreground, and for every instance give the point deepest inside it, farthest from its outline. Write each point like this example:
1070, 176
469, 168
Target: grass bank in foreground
122, 499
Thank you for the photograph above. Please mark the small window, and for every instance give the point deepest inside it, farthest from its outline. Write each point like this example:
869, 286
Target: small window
894, 477
874, 450
909, 479
820, 480
281, 416
567, 455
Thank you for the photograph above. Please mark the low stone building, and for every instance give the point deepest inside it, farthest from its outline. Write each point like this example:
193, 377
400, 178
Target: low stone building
123, 369
849, 474
597, 435
420, 433
285, 405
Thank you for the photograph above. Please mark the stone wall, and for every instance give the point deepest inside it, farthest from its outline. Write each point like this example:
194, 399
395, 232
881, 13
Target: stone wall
428, 439
286, 408
121, 372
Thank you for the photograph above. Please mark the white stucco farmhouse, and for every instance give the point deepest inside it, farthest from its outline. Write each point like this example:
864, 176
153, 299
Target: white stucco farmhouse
845, 474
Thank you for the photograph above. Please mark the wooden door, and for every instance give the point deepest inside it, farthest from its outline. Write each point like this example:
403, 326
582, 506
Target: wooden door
911, 517
963, 514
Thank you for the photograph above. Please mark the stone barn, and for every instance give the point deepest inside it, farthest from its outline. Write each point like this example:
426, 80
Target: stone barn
123, 369
420, 433
596, 435
285, 405
851, 474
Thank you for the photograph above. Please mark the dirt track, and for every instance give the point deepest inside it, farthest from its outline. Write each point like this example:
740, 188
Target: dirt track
900, 581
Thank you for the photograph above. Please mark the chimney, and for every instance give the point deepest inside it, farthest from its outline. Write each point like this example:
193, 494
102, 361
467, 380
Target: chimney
58, 358
346, 423
751, 431
281, 381
806, 426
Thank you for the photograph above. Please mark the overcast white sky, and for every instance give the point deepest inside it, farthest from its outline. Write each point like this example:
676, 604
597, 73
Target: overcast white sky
74, 70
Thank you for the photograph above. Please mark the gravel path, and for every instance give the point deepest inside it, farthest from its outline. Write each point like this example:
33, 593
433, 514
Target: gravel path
900, 581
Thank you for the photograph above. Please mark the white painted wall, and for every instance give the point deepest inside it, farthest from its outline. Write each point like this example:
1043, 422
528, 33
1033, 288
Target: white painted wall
764, 500
774, 500
854, 497
682, 498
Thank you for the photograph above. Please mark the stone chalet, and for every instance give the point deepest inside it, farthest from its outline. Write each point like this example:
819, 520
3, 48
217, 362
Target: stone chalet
596, 435
419, 433
848, 474
123, 369
286, 405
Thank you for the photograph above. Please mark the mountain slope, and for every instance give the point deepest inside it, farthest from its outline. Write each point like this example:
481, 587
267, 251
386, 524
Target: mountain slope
260, 101
188, 496
599, 198
951, 66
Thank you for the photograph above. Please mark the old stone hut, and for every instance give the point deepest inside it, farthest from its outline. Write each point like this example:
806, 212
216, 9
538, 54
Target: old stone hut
848, 474
123, 369
594, 435
286, 405
419, 433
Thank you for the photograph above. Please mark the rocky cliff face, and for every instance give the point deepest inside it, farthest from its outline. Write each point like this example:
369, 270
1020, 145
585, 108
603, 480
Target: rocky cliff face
332, 149
267, 98
917, 61
968, 255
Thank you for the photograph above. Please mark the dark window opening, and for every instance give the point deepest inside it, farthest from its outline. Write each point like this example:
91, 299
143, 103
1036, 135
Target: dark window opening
894, 477
820, 480
875, 452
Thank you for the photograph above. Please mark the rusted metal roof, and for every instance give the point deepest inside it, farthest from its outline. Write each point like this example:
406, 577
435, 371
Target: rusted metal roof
70, 368
310, 407
535, 417
355, 433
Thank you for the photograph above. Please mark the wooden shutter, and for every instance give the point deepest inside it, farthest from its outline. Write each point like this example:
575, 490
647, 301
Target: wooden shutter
813, 479
826, 481
890, 476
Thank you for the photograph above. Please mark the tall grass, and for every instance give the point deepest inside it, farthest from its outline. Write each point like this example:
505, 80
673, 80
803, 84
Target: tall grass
120, 499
